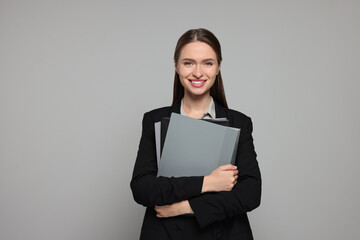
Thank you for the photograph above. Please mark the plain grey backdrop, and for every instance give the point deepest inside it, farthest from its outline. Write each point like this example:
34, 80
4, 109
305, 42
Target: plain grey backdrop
77, 76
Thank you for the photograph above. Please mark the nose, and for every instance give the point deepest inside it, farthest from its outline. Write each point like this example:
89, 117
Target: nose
197, 72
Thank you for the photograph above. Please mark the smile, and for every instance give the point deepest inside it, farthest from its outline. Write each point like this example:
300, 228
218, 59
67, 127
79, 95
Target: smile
197, 82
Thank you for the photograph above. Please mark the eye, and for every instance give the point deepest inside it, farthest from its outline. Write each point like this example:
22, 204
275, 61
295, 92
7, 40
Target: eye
187, 63
208, 63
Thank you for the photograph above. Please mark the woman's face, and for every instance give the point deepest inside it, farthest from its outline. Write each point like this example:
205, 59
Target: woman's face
197, 68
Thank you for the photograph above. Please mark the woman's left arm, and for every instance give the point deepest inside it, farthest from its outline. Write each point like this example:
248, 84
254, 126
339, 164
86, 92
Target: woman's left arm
244, 197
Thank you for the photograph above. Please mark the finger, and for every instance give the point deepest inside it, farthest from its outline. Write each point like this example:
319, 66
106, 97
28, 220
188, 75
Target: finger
229, 168
157, 208
223, 167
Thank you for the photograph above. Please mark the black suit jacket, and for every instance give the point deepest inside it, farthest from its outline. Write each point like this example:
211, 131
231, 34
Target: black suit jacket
220, 215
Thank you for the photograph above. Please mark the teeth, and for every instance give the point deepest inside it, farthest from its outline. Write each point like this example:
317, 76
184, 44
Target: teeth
197, 82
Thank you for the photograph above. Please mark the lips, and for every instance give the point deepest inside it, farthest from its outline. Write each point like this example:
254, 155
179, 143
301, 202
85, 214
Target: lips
197, 82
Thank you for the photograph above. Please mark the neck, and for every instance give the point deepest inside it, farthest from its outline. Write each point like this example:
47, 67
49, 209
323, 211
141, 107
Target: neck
195, 105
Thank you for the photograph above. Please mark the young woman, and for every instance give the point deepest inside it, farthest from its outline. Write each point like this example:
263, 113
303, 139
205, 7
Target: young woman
199, 207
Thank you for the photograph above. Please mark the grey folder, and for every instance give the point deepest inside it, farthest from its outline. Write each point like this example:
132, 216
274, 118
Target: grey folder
195, 148
160, 135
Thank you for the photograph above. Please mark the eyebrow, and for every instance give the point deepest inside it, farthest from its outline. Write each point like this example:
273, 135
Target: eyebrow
205, 60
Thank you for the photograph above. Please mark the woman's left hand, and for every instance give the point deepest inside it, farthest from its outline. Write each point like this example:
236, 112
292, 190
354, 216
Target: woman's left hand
175, 209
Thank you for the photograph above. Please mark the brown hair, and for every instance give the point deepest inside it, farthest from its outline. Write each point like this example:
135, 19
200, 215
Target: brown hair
200, 35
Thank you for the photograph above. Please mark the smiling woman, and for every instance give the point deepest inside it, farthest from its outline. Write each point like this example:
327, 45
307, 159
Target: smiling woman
197, 207
197, 68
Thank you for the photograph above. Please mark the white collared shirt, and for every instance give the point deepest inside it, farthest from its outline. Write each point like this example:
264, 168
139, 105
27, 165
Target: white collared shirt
209, 113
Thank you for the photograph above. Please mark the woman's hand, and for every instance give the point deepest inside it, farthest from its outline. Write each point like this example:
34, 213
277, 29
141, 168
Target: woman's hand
221, 179
175, 209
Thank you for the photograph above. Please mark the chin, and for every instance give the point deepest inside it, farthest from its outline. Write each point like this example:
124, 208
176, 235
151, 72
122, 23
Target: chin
198, 93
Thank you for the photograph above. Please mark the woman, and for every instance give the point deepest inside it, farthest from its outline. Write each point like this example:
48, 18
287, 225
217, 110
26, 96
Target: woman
200, 207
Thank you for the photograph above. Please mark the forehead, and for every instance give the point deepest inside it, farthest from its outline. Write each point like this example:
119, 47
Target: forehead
197, 50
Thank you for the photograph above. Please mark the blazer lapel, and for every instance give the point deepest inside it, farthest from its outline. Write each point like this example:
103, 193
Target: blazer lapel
222, 112
175, 108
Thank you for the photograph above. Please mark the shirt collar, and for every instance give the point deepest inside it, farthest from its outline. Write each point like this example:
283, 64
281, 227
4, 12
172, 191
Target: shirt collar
209, 113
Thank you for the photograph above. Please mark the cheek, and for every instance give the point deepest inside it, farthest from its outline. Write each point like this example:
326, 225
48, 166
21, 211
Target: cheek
212, 73
182, 76
184, 72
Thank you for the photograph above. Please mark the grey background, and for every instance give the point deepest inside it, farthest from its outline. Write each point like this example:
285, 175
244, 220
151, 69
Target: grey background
76, 77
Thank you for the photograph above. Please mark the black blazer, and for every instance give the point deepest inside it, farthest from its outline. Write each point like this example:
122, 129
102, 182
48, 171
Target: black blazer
220, 215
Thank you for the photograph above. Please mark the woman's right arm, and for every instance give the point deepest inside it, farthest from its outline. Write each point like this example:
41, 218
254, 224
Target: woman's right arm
147, 188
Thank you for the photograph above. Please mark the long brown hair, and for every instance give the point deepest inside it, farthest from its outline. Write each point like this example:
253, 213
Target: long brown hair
200, 35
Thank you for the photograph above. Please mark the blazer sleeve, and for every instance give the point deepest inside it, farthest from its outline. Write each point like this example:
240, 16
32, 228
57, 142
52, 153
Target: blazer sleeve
245, 195
147, 188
